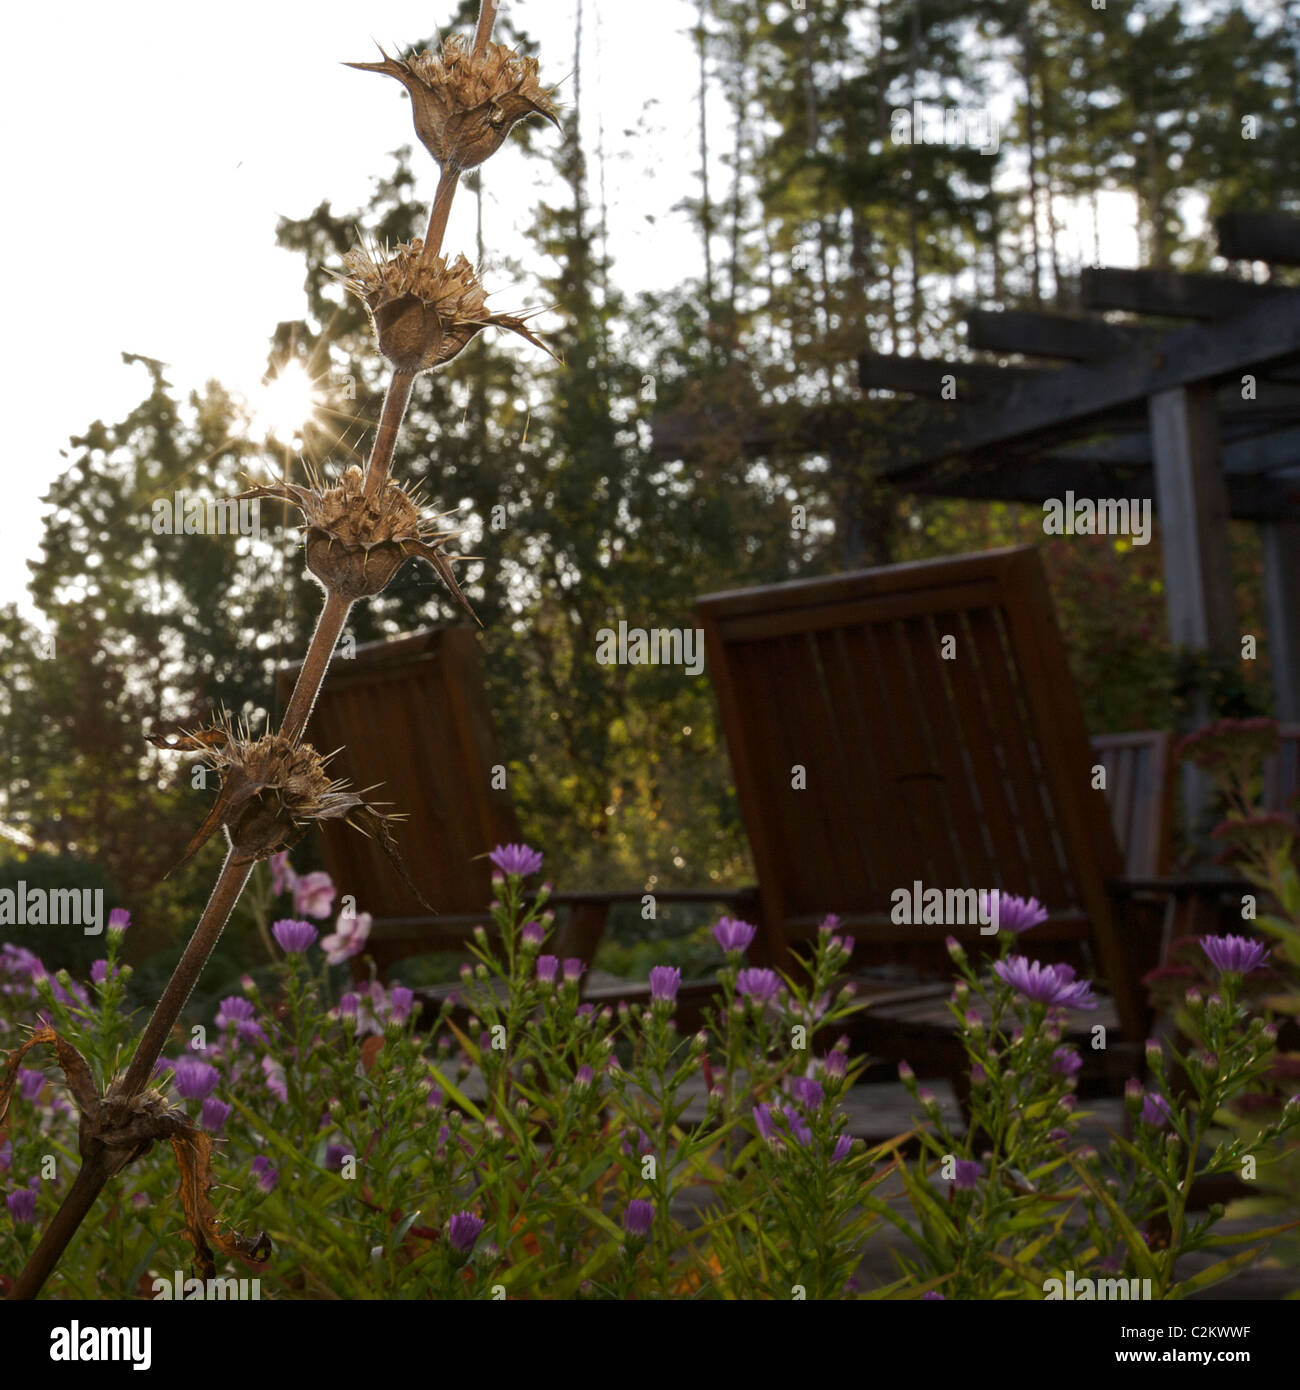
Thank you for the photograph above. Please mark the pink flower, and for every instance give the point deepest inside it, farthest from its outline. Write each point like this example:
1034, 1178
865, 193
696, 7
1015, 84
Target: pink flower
275, 1079
313, 895
283, 877
348, 939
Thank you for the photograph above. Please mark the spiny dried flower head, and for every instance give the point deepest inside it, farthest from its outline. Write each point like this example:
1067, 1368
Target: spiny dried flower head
465, 104
272, 790
356, 543
424, 310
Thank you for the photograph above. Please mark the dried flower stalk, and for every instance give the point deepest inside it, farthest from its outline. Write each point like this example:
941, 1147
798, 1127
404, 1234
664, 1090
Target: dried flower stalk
359, 531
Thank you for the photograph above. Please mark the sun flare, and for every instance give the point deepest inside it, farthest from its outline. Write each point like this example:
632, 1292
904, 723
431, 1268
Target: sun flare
282, 406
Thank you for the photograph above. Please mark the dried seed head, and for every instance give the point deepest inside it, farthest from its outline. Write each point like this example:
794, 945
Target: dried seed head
465, 104
424, 310
356, 544
272, 790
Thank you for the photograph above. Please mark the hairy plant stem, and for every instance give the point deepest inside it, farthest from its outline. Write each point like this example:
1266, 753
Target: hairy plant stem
96, 1165
225, 894
439, 213
86, 1187
311, 674
97, 1161
396, 399
487, 17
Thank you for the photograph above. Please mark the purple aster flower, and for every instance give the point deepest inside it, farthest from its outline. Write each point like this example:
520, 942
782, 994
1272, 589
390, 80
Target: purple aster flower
30, 1083
843, 1148
934, 1296
73, 994
463, 1228
583, 1077
18, 960
99, 972
638, 1218
195, 1080
348, 939
807, 1091
234, 1009
348, 1004
282, 875
664, 983
1066, 1061
966, 1173
1013, 914
313, 896
731, 934
22, 1206
763, 1120
6, 1155
586, 1010
757, 984
1236, 954
334, 1156
435, 1098
533, 934
214, 1116
293, 937
644, 1143
1155, 1110
266, 1176
400, 1001
847, 944
237, 1011
797, 1125
1045, 984
546, 968
836, 1064
573, 968
516, 859
275, 1079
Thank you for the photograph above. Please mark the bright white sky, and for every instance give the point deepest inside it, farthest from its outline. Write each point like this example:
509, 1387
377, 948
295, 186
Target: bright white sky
151, 145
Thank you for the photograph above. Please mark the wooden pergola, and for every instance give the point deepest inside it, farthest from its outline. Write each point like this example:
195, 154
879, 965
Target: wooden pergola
1192, 401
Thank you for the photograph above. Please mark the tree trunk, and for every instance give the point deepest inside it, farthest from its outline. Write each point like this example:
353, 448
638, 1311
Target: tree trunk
706, 209
1031, 140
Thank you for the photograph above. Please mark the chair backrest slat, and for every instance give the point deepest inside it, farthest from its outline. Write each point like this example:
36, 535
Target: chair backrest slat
1282, 771
1140, 788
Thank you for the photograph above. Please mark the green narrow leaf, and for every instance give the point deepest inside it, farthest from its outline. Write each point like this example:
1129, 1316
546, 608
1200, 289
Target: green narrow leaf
1222, 1270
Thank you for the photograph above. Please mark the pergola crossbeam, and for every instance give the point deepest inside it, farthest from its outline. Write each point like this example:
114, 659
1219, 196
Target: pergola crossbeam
1259, 236
1070, 337
1169, 294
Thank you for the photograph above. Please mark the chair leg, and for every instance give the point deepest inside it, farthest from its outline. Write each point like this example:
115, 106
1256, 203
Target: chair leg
581, 935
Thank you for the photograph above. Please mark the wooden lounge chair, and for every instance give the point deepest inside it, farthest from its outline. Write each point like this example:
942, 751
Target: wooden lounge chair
411, 714
918, 724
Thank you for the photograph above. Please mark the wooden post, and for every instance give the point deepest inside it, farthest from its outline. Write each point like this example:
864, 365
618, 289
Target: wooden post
1192, 500
1281, 543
